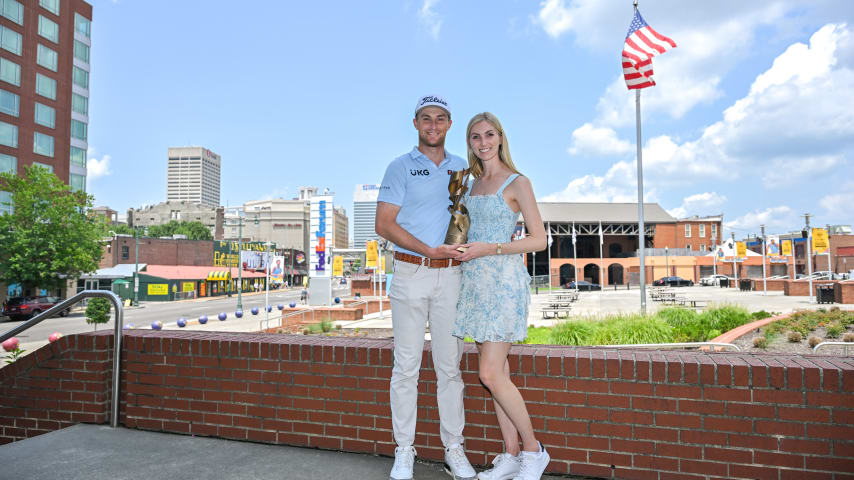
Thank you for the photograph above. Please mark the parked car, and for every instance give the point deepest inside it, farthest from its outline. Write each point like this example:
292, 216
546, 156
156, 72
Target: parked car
22, 308
714, 280
673, 282
583, 285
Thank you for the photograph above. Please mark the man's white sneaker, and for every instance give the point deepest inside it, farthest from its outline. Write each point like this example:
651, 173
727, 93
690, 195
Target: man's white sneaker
533, 464
456, 463
404, 460
504, 467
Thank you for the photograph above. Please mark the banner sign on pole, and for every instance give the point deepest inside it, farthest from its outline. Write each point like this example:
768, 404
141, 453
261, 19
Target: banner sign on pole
819, 240
371, 253
787, 248
337, 266
741, 249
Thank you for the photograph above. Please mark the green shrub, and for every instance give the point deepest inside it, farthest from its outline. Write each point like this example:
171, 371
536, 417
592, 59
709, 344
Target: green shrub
98, 311
795, 337
714, 334
761, 314
760, 342
539, 335
572, 332
834, 330
726, 317
688, 325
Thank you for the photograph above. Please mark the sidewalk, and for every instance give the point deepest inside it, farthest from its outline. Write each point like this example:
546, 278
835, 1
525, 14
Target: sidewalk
96, 452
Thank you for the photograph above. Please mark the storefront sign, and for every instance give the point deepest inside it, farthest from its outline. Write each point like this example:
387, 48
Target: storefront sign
819, 240
158, 289
188, 286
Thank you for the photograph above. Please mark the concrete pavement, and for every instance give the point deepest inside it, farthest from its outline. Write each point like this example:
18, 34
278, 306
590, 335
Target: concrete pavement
95, 452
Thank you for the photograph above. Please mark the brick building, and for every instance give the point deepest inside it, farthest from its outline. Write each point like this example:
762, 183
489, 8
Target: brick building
157, 251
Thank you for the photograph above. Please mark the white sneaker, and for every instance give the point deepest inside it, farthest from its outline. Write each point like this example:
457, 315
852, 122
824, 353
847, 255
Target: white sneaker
505, 467
533, 464
456, 463
404, 460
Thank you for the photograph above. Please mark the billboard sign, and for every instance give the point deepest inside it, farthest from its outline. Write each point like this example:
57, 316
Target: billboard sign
226, 253
321, 218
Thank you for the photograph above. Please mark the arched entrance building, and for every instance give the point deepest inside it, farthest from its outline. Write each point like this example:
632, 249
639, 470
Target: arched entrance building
599, 242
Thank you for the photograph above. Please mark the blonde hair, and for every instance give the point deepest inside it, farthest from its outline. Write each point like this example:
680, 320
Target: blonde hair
475, 164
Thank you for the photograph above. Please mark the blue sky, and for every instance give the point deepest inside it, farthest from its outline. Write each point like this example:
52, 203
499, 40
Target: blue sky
751, 116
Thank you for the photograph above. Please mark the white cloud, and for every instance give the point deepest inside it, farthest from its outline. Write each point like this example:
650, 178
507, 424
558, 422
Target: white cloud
600, 141
97, 168
779, 219
699, 204
619, 184
838, 205
554, 17
430, 19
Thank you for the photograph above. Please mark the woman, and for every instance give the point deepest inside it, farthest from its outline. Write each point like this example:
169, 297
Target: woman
494, 294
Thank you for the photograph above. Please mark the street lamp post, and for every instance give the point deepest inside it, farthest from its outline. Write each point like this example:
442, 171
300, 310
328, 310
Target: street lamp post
666, 262
136, 268
764, 276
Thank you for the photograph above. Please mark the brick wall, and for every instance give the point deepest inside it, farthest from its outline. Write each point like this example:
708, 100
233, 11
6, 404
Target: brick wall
158, 251
59, 385
606, 414
844, 292
802, 287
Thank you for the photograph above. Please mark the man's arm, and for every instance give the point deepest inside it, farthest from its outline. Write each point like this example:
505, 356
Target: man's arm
387, 227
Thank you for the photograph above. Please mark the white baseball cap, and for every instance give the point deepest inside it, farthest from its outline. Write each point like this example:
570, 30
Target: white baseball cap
432, 101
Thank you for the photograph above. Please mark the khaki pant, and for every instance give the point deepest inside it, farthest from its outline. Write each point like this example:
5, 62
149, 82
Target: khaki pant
421, 295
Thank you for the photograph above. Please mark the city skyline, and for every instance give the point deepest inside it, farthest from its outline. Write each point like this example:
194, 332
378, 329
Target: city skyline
335, 111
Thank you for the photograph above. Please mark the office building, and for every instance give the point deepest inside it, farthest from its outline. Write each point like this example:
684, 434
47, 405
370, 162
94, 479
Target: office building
340, 228
284, 222
44, 88
179, 211
193, 175
364, 213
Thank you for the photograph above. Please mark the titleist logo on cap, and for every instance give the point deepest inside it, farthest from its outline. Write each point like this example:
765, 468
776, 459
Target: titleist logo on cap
434, 100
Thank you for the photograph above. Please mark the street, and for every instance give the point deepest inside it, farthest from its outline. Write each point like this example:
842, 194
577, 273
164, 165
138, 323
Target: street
169, 313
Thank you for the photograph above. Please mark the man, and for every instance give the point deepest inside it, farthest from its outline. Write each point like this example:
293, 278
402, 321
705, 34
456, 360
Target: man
412, 212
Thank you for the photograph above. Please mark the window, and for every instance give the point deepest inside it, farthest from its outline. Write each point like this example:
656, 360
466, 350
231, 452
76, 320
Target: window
78, 157
82, 25
78, 130
688, 246
77, 182
702, 247
125, 252
5, 203
8, 164
9, 103
13, 10
687, 230
45, 116
81, 51
43, 144
48, 29
10, 72
45, 166
51, 6
81, 77
46, 57
8, 135
45, 86
10, 40
715, 231
80, 104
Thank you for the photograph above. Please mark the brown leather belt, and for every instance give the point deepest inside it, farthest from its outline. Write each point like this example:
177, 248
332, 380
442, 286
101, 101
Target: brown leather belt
427, 262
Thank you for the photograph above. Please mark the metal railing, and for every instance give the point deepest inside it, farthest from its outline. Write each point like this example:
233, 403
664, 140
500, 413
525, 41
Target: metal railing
825, 344
675, 345
117, 340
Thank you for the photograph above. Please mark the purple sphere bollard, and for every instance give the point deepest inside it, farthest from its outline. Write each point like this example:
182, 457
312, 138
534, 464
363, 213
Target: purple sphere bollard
280, 306
182, 322
238, 314
157, 325
254, 310
293, 304
203, 319
222, 316
337, 300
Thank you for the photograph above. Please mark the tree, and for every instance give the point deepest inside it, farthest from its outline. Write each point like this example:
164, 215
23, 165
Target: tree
49, 236
193, 230
98, 311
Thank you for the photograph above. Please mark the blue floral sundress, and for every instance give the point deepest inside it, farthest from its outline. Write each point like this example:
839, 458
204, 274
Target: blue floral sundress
495, 292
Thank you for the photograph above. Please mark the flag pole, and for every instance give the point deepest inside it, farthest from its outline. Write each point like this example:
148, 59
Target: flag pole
641, 229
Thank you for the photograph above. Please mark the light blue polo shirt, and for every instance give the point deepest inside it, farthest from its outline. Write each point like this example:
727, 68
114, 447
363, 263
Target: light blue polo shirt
420, 188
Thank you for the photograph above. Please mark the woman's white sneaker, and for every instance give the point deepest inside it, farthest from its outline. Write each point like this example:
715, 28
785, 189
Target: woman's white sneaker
533, 464
504, 467
404, 460
456, 463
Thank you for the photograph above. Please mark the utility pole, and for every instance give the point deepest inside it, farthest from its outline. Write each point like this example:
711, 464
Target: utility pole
734, 259
764, 276
809, 254
239, 264
136, 268
829, 268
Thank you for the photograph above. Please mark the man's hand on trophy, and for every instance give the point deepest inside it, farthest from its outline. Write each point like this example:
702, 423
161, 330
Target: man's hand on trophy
475, 250
446, 251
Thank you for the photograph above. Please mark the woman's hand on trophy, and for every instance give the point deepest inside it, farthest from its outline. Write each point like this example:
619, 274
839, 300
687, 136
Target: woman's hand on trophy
476, 250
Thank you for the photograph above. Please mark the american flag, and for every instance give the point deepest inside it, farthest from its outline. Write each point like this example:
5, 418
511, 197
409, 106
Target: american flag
642, 43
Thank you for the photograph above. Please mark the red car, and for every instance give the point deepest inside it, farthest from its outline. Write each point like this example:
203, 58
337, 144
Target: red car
22, 308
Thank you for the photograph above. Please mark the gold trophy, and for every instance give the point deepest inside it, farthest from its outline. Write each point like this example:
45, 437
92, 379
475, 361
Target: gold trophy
458, 228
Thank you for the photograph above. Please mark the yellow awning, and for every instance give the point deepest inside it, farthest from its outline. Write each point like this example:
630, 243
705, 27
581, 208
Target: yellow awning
219, 275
